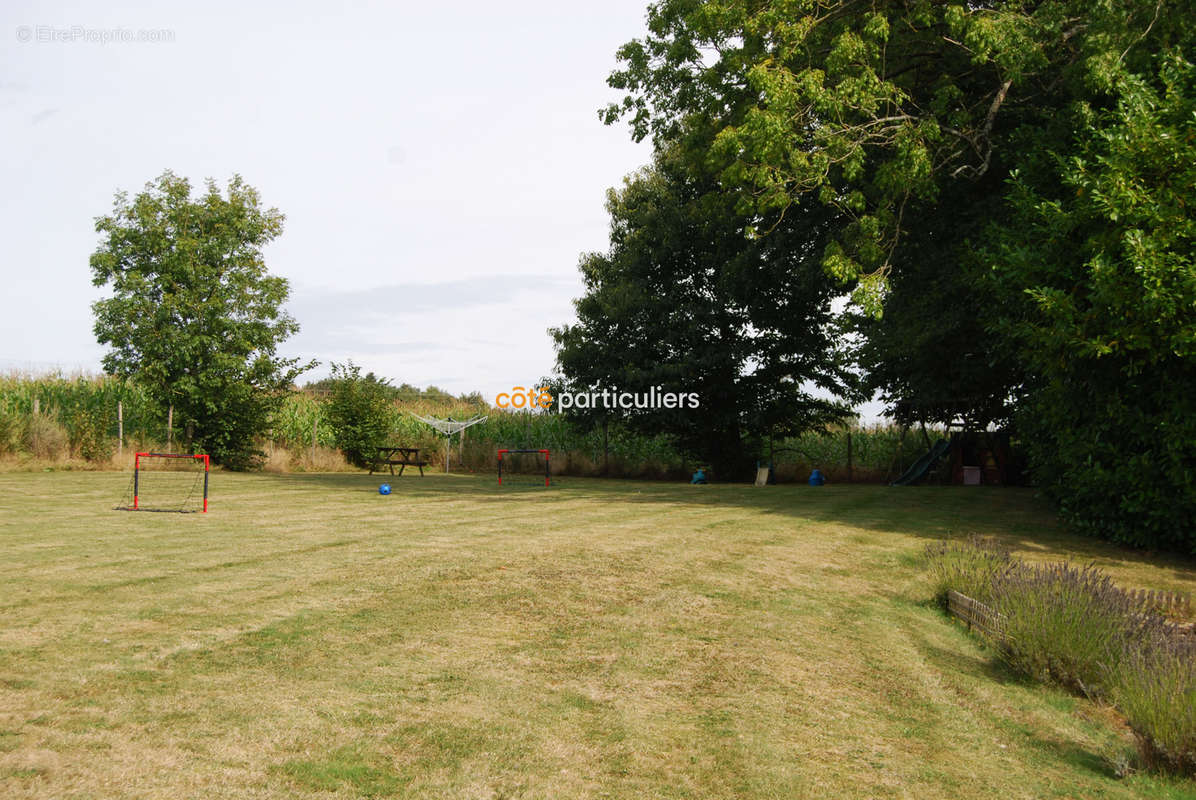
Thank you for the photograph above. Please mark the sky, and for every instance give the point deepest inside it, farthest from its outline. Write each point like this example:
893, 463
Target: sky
441, 167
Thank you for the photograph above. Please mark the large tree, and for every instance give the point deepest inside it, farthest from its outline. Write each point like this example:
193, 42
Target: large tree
684, 301
1005, 181
194, 314
1097, 273
931, 355
872, 108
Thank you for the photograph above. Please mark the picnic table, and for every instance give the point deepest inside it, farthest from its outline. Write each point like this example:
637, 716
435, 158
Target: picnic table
401, 457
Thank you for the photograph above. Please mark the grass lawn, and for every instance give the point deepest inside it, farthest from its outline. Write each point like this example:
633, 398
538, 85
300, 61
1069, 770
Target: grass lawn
309, 637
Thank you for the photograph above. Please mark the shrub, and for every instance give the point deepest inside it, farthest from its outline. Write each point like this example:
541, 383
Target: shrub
970, 567
1069, 625
360, 411
231, 431
89, 434
43, 437
1119, 465
1155, 687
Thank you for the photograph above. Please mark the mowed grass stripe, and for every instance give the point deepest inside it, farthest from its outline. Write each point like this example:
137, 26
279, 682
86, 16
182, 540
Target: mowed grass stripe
599, 638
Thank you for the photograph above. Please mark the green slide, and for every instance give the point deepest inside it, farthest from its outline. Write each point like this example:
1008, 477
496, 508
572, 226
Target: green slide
920, 467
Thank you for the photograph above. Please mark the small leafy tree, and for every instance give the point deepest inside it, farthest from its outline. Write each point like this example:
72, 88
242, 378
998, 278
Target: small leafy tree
194, 316
361, 411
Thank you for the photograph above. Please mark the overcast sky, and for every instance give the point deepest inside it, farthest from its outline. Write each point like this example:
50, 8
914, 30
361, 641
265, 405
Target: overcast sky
441, 166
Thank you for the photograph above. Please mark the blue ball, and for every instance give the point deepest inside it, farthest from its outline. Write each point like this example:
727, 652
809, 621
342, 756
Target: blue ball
384, 489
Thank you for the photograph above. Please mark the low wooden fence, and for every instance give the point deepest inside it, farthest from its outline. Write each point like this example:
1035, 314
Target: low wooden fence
976, 615
991, 623
1177, 604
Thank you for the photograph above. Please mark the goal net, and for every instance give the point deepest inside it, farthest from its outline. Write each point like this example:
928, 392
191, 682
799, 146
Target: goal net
167, 482
524, 467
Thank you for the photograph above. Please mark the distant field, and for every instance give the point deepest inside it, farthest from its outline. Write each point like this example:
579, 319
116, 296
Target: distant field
309, 637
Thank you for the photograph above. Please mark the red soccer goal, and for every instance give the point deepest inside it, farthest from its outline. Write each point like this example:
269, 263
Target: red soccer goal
514, 465
168, 482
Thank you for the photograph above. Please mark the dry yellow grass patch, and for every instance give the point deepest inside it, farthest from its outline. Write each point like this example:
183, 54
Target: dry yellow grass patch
309, 637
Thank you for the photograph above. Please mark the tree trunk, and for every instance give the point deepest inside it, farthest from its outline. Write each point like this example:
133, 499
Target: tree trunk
850, 476
605, 450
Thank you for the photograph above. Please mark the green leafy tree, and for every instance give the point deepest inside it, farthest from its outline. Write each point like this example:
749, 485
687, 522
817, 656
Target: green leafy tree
684, 301
1098, 269
194, 315
933, 355
361, 410
1006, 266
872, 108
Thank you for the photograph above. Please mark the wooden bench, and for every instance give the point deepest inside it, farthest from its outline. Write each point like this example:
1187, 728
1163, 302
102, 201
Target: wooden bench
401, 457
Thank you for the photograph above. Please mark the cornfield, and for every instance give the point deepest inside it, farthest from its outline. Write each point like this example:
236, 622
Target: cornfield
61, 417
877, 453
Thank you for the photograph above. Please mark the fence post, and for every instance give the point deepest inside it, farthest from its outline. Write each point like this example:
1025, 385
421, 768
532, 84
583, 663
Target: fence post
37, 409
120, 428
169, 426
